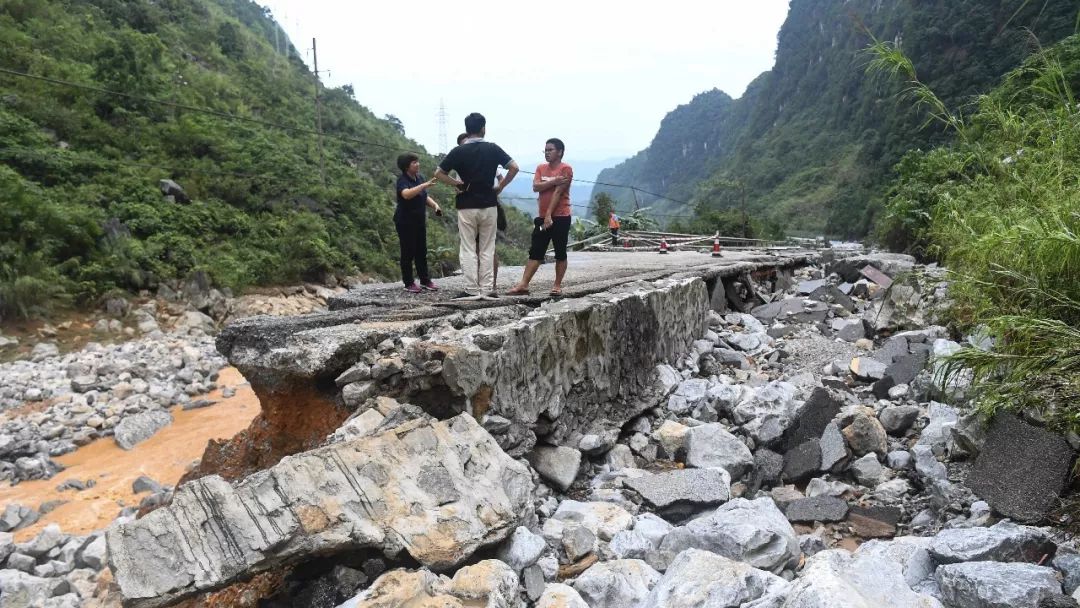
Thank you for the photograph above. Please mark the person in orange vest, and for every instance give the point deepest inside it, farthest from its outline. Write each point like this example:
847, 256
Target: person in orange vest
613, 226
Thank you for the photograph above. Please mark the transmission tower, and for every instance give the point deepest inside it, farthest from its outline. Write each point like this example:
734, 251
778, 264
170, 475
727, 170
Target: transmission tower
443, 148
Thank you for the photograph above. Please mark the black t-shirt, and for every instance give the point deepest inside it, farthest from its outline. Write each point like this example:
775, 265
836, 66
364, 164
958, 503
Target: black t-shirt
476, 163
410, 209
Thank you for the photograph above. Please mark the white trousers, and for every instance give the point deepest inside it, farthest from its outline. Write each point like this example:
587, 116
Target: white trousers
473, 223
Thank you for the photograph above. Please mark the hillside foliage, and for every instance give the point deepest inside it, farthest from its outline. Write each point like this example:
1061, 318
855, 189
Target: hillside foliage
813, 141
83, 214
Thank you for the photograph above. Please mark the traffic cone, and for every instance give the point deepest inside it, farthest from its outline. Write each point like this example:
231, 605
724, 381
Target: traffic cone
716, 247
663, 245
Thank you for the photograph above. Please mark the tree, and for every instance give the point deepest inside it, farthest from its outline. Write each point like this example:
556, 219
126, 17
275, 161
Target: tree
396, 123
603, 205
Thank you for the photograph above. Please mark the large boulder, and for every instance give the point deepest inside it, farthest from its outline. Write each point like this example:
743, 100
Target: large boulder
835, 579
755, 532
1002, 542
700, 579
437, 491
622, 583
711, 446
1022, 469
996, 585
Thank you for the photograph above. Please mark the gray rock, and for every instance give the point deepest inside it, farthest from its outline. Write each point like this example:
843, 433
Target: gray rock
1021, 470
712, 446
533, 580
824, 509
93, 554
834, 452
802, 462
868, 471
967, 436
1067, 563
867, 368
603, 519
21, 562
699, 579
904, 368
48, 539
522, 549
21, 590
296, 509
620, 457
558, 465
996, 585
897, 419
631, 544
768, 466
354, 394
145, 484
683, 487
936, 434
557, 595
898, 460
849, 330
910, 554
133, 430
623, 583
578, 541
357, 373
1002, 542
926, 465
810, 421
836, 579
755, 532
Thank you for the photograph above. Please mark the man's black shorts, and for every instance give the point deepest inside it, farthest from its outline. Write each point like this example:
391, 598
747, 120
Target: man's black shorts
559, 233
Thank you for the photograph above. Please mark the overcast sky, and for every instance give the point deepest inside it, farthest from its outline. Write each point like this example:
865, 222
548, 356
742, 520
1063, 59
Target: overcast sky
595, 73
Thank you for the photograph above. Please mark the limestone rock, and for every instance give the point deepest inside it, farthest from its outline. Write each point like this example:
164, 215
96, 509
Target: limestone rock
712, 446
557, 595
865, 435
699, 579
985, 584
755, 532
835, 579
436, 490
140, 427
603, 519
558, 465
522, 549
623, 583
1002, 542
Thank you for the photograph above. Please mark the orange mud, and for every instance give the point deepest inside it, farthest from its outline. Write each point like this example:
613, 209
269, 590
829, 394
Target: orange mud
165, 457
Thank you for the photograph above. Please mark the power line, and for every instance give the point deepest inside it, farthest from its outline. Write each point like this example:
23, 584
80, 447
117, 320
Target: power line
315, 132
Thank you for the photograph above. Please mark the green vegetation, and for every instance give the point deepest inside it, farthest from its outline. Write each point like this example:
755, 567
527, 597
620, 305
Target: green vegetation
813, 141
82, 214
1001, 208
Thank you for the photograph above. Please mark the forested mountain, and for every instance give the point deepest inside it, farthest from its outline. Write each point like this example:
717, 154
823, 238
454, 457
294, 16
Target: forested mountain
811, 143
82, 212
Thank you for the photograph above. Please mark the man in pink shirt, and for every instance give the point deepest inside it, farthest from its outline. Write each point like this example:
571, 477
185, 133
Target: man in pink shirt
552, 181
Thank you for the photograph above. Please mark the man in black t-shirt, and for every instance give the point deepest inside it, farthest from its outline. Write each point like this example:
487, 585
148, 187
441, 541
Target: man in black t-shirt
476, 162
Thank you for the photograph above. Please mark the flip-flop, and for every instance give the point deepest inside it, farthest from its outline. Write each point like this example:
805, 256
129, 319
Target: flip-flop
518, 292
555, 292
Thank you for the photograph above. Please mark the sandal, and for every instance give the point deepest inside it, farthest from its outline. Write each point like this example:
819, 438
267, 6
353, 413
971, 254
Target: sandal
517, 292
555, 293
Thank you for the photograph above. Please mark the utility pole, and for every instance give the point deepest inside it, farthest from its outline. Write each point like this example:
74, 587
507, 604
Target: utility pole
443, 146
318, 114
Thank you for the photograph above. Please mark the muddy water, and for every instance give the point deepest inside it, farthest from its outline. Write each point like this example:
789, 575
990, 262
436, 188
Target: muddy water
164, 458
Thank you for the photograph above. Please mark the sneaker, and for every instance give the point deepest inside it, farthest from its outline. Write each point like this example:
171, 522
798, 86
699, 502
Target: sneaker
464, 295
413, 288
429, 285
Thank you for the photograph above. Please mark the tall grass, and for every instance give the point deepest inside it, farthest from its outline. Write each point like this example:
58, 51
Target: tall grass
1001, 208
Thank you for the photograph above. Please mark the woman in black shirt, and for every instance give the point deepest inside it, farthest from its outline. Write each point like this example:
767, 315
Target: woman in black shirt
410, 219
